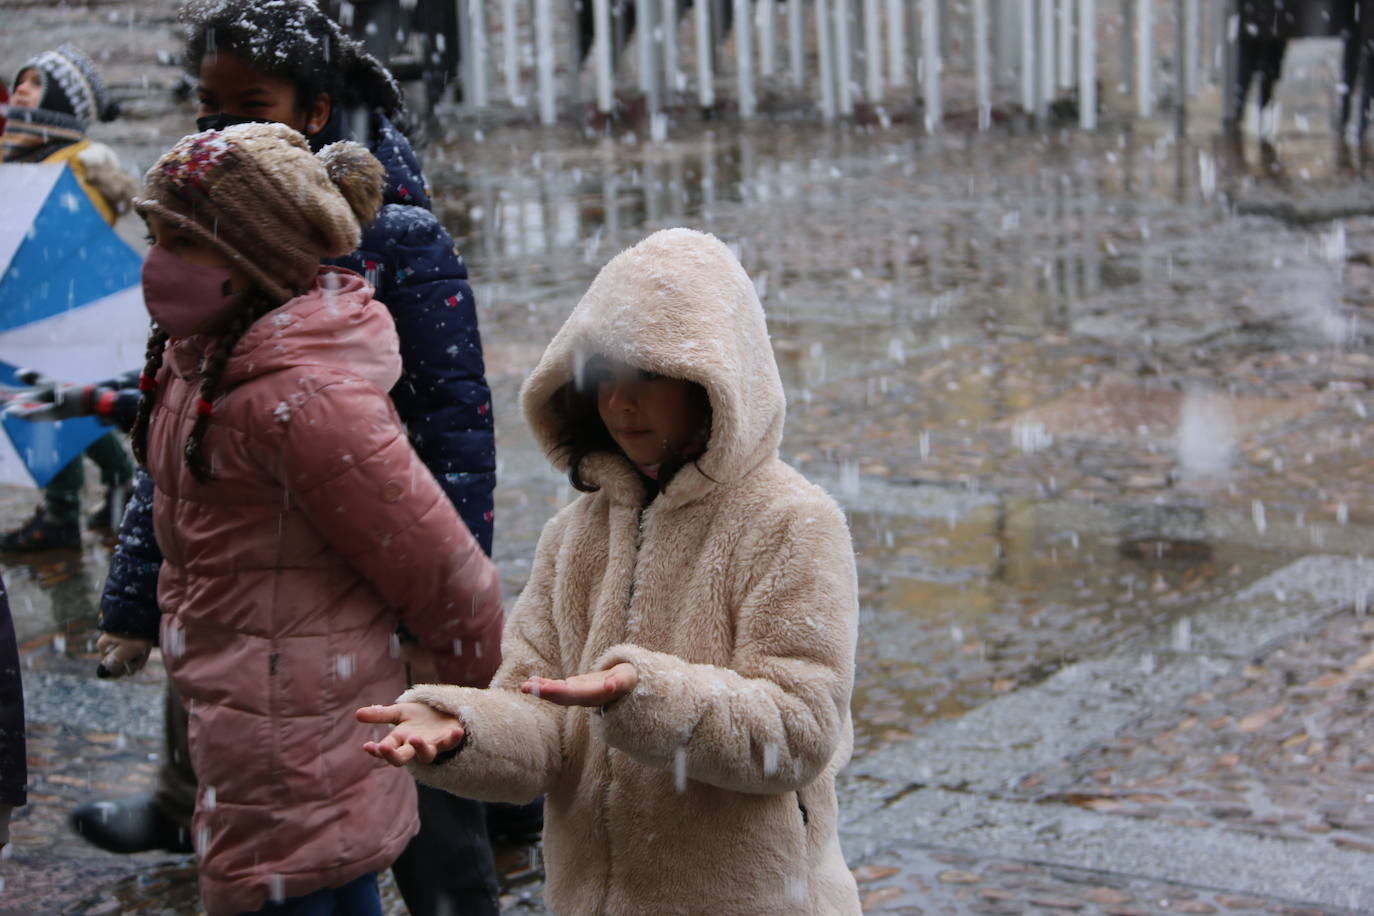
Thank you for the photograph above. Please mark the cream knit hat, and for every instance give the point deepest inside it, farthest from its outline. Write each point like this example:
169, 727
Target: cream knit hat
257, 193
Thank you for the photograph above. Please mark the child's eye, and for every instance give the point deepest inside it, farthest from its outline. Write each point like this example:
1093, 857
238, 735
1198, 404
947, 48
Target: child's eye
148, 237
646, 376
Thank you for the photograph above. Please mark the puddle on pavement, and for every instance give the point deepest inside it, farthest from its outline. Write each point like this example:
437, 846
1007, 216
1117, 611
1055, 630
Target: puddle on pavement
959, 610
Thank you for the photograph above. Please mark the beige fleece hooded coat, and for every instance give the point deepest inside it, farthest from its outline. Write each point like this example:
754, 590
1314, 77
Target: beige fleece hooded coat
710, 788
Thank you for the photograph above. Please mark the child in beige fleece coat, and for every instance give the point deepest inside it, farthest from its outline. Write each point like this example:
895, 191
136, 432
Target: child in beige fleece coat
677, 672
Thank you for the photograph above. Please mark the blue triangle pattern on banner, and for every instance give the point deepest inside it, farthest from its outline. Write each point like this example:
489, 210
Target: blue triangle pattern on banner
69, 258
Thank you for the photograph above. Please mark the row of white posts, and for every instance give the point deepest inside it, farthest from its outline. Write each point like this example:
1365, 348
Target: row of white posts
1032, 51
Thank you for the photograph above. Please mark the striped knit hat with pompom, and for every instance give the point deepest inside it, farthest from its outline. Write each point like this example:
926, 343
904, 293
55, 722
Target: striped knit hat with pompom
72, 86
258, 194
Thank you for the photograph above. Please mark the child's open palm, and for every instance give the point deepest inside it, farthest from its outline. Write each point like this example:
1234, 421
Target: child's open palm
598, 688
421, 732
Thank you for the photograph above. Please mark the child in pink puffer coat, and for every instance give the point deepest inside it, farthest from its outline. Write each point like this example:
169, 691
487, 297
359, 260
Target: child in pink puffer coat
298, 526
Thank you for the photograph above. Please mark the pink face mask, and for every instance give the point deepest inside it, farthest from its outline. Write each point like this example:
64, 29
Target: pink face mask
182, 296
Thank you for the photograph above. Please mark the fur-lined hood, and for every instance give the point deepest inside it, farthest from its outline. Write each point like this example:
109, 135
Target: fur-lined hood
662, 306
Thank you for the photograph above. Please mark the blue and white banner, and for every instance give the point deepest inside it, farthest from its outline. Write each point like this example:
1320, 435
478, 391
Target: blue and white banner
71, 307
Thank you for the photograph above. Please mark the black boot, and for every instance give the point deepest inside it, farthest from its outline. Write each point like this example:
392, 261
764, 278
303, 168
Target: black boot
128, 825
41, 533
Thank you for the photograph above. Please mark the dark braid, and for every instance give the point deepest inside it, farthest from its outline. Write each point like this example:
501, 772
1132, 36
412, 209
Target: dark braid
252, 306
152, 362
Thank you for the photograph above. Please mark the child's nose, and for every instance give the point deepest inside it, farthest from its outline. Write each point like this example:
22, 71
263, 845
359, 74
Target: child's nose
623, 394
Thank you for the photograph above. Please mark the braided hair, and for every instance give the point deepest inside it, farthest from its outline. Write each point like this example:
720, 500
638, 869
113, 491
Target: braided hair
295, 41
147, 384
252, 305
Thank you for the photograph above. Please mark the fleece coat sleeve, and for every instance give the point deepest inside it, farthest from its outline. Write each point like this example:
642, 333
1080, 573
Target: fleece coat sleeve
772, 720
364, 489
513, 747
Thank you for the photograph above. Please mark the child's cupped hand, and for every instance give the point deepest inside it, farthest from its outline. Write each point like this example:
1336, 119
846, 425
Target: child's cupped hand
421, 732
598, 688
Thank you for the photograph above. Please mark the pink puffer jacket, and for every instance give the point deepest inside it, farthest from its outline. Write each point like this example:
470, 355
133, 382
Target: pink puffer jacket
282, 584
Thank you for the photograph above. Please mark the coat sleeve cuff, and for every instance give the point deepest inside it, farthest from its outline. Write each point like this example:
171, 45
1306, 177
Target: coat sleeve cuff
510, 746
653, 721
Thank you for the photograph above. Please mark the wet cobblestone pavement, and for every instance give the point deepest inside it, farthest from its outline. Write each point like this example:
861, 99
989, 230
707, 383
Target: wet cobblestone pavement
1076, 393
1280, 748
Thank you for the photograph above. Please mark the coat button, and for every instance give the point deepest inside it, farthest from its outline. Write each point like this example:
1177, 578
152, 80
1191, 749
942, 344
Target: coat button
392, 491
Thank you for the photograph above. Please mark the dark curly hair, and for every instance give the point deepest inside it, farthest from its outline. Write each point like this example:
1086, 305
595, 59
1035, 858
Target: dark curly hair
295, 41
582, 433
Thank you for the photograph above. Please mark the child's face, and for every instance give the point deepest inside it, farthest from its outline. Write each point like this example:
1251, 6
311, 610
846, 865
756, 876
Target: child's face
652, 418
28, 92
190, 248
229, 85
194, 250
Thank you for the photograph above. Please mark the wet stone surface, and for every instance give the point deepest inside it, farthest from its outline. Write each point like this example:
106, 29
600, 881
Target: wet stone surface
916, 881
1071, 390
1279, 748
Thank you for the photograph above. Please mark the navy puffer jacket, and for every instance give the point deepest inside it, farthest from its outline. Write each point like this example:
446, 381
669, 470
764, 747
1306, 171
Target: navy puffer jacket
442, 397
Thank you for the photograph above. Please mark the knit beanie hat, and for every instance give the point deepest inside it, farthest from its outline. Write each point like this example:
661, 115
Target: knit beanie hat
72, 87
258, 194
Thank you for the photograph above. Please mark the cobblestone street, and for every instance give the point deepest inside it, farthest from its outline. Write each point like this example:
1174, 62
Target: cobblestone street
1094, 405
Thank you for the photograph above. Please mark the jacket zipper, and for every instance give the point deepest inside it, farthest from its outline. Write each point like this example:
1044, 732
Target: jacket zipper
634, 566
605, 807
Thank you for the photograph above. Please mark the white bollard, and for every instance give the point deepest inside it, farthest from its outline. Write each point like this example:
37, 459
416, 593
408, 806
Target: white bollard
1126, 66
873, 52
1087, 64
844, 57
1046, 81
931, 65
601, 54
648, 60
768, 41
1192, 25
896, 42
982, 65
795, 49
465, 53
1064, 19
744, 57
706, 80
1028, 56
477, 25
1144, 58
1003, 19
826, 52
543, 50
667, 24
509, 32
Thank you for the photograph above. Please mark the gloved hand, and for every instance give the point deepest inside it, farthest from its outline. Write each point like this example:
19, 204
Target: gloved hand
47, 398
121, 655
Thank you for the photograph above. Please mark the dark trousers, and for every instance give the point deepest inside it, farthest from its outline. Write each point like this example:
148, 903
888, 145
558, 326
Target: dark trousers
446, 870
62, 496
1256, 57
358, 897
